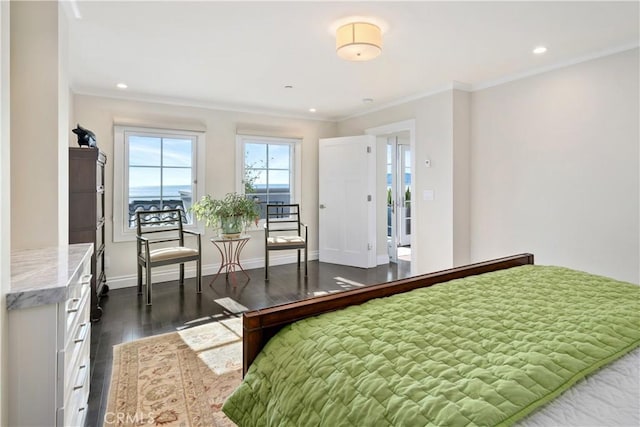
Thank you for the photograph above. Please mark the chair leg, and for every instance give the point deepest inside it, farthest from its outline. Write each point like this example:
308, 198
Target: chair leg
148, 274
198, 276
298, 258
182, 274
266, 265
139, 279
305, 262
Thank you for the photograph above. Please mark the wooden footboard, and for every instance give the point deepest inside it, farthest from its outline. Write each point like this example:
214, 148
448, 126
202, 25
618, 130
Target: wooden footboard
260, 325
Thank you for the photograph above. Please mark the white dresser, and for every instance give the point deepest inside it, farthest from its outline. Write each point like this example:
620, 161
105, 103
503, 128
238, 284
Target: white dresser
49, 336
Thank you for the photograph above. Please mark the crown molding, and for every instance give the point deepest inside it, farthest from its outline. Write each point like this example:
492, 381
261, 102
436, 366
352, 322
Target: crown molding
182, 102
414, 97
558, 65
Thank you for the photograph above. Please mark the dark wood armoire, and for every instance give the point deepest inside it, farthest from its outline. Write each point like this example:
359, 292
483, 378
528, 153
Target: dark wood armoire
86, 214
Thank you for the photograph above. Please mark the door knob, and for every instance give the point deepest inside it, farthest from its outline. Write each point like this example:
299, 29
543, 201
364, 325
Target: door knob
322, 206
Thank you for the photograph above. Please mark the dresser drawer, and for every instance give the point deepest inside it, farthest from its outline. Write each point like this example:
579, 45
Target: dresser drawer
76, 310
76, 406
76, 349
76, 380
77, 339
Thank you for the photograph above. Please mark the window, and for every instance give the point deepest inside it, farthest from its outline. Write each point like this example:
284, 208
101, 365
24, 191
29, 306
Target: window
155, 169
269, 170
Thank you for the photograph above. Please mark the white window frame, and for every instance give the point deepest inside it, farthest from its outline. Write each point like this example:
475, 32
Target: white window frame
121, 230
296, 166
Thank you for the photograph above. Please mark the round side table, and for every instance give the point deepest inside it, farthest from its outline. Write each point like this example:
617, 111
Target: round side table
230, 250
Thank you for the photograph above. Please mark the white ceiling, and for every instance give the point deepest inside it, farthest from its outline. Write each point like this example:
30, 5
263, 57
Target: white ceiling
240, 55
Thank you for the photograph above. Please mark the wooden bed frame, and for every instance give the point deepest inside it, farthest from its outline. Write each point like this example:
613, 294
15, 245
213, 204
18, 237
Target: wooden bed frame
260, 325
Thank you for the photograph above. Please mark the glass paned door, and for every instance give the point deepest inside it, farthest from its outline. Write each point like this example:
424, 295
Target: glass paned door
398, 186
404, 169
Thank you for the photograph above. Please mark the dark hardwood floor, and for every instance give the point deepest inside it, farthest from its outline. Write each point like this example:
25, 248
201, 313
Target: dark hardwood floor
127, 318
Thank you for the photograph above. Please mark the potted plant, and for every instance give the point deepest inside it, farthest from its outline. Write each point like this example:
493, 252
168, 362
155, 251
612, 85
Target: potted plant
230, 215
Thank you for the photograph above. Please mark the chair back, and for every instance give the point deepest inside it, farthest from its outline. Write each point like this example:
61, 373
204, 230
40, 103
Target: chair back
281, 218
163, 223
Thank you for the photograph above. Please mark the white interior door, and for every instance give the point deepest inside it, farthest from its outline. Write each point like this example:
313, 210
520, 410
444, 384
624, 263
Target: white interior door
347, 201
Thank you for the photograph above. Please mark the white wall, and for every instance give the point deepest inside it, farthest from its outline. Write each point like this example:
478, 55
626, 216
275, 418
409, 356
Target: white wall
461, 177
33, 127
39, 125
5, 206
64, 131
437, 132
547, 164
98, 114
554, 168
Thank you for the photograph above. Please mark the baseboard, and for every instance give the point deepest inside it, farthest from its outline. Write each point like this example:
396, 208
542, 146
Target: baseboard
165, 275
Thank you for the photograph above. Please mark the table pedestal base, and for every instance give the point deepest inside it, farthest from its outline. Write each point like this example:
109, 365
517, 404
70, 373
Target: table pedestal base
230, 250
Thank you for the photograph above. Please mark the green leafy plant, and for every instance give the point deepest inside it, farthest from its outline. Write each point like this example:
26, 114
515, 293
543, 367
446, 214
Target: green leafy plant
231, 214
251, 175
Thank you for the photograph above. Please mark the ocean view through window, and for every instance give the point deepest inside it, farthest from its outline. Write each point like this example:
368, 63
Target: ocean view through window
159, 170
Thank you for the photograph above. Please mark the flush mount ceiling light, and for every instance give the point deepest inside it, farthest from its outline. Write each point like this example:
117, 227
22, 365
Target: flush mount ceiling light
358, 41
539, 50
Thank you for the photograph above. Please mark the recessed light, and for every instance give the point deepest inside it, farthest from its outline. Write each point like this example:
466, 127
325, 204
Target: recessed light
539, 50
312, 110
122, 86
367, 100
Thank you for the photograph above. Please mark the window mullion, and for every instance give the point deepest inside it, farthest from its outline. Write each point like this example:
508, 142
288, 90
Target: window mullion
278, 181
267, 167
161, 174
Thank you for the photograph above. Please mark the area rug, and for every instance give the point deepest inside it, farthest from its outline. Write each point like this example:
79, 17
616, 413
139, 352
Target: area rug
176, 379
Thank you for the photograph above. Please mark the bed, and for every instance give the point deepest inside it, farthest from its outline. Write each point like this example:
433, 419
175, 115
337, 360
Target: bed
493, 344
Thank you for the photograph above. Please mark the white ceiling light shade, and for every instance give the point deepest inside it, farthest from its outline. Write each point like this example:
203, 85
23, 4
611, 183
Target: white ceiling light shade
358, 41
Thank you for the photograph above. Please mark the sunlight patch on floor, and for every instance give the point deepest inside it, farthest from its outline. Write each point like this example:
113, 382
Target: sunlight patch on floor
341, 281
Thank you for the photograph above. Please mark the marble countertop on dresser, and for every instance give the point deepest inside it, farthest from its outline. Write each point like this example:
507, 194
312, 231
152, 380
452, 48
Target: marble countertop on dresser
41, 276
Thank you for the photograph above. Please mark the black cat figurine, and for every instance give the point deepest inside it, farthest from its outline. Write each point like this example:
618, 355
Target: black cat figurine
85, 136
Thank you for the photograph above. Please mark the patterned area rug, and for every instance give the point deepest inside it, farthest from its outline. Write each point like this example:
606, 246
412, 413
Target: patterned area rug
176, 379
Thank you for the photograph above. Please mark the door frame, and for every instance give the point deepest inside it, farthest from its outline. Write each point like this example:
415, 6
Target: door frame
392, 240
401, 175
388, 129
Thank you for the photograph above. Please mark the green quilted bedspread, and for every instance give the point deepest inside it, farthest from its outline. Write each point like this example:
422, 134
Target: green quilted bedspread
485, 350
